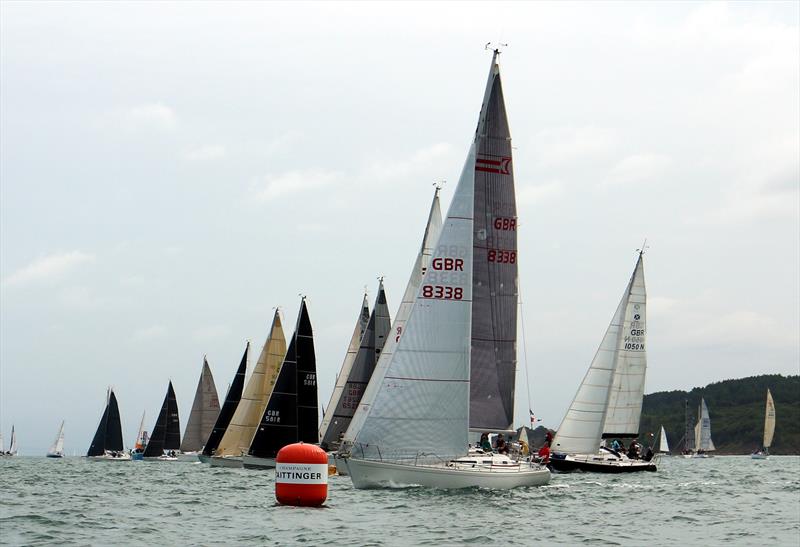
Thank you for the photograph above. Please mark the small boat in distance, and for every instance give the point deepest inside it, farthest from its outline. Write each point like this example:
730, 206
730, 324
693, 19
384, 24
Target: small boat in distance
141, 441
702, 433
769, 430
12, 448
57, 448
166, 438
205, 409
662, 446
107, 442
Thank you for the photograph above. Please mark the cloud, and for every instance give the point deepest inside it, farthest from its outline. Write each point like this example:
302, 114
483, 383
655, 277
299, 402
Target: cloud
147, 117
48, 269
530, 194
568, 144
638, 168
425, 162
152, 332
292, 182
211, 332
206, 152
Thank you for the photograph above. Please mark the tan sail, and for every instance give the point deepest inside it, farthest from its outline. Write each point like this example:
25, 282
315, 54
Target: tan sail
242, 428
769, 421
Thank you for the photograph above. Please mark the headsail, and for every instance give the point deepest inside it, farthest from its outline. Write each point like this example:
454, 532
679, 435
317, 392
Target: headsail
292, 411
663, 446
58, 445
581, 429
369, 351
242, 428
431, 235
12, 448
98, 444
494, 272
228, 407
205, 409
769, 421
341, 380
702, 430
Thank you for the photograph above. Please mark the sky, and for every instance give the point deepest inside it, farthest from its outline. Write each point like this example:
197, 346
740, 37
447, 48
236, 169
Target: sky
171, 172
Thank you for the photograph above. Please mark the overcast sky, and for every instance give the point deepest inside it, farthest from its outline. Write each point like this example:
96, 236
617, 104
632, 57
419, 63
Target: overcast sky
171, 172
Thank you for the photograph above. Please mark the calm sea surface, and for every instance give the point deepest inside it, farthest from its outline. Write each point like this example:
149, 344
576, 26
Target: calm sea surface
724, 500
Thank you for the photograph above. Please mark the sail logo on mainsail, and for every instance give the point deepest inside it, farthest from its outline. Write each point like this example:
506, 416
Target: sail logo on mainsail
500, 165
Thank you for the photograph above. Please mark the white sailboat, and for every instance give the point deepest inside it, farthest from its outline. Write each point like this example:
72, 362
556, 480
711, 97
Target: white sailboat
412, 426
769, 429
609, 400
663, 445
12, 448
57, 448
702, 433
239, 435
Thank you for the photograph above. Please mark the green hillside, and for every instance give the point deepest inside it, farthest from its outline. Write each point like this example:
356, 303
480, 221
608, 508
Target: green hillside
736, 408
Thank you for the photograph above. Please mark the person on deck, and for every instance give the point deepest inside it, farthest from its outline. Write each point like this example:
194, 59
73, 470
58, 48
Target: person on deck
502, 447
544, 453
484, 443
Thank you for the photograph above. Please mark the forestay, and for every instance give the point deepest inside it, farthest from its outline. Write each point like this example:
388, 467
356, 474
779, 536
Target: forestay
581, 429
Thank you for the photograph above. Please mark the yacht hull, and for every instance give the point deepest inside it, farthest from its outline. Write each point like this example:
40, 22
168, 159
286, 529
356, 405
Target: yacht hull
597, 463
376, 474
252, 462
232, 462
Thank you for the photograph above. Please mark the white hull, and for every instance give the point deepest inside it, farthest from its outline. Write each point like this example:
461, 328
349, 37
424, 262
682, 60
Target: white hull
701, 456
375, 474
122, 457
188, 457
233, 462
162, 459
760, 456
251, 462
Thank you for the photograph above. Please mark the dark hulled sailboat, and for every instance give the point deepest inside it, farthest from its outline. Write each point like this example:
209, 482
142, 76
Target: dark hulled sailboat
228, 408
292, 412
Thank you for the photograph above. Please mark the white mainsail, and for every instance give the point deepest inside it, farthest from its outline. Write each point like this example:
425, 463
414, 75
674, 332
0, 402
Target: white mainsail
769, 421
702, 430
242, 428
623, 346
421, 264
12, 448
58, 445
663, 446
347, 365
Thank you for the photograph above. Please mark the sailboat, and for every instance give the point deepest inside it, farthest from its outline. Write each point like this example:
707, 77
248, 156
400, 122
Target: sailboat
702, 433
227, 410
340, 412
412, 426
107, 441
327, 440
57, 448
142, 437
205, 409
12, 448
609, 400
166, 437
769, 429
292, 412
662, 446
240, 432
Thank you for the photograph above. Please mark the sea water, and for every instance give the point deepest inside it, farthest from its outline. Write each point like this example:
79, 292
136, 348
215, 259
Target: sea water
716, 501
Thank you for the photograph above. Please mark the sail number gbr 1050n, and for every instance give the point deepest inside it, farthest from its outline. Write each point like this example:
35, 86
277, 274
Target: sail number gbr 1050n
444, 292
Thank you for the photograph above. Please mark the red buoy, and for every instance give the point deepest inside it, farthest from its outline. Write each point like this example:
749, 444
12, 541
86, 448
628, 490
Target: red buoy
301, 475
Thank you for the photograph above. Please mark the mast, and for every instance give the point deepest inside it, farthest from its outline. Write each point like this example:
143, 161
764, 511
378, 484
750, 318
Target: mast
228, 407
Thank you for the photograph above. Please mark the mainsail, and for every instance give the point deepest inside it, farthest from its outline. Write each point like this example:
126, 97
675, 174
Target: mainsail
228, 407
167, 431
341, 380
292, 412
12, 448
245, 420
702, 430
358, 377
109, 432
663, 446
205, 410
769, 421
431, 235
493, 357
623, 345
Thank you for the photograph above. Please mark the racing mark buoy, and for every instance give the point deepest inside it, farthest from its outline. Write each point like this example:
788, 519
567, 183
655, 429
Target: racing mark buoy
301, 475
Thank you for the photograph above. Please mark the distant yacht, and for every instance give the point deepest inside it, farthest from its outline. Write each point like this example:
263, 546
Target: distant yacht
107, 442
769, 430
227, 410
165, 440
205, 409
57, 449
12, 448
702, 433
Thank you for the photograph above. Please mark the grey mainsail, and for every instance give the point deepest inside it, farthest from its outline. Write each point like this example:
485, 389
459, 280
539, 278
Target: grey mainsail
205, 410
360, 372
494, 273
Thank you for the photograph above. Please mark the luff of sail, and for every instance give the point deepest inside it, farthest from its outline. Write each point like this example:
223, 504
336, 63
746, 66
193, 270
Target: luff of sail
369, 352
769, 421
292, 411
341, 380
166, 432
245, 420
494, 268
431, 235
624, 408
581, 429
228, 407
205, 409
